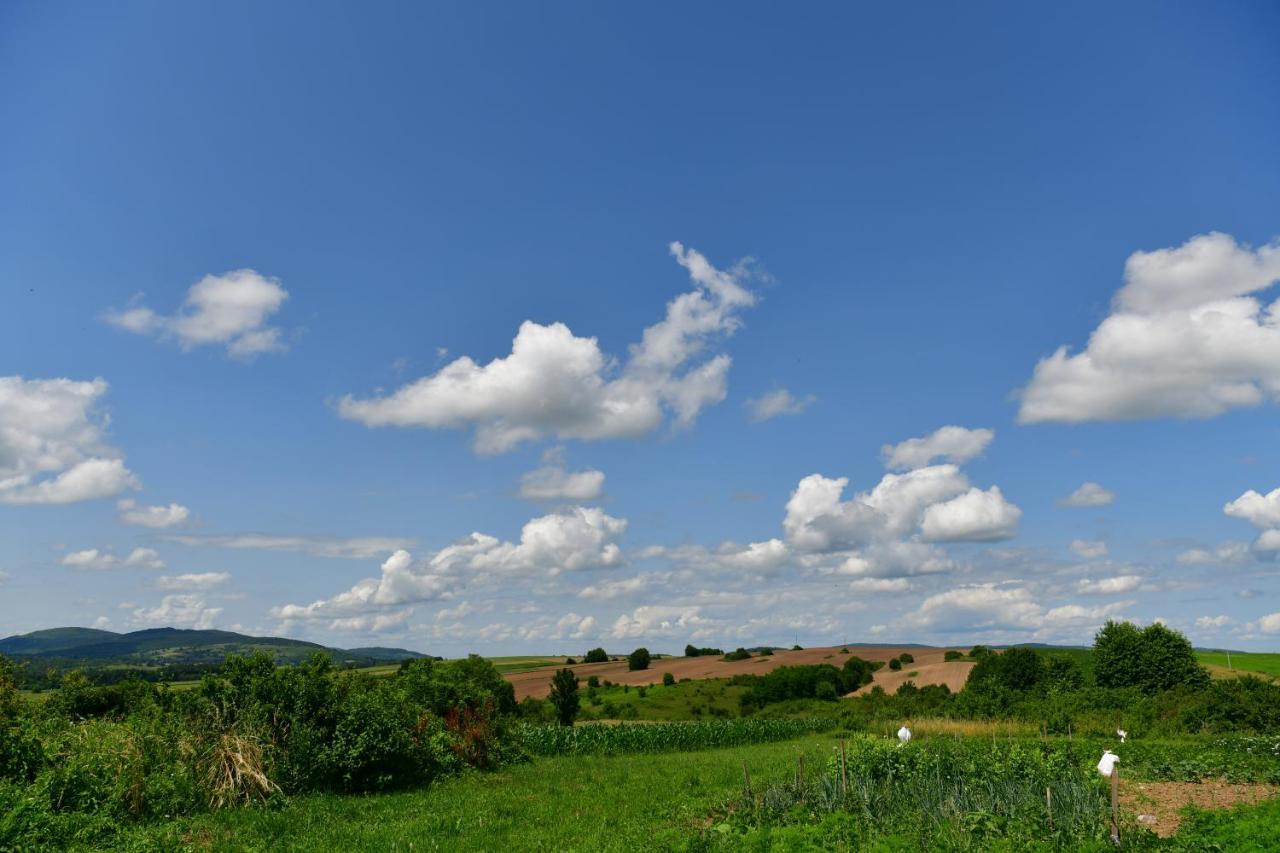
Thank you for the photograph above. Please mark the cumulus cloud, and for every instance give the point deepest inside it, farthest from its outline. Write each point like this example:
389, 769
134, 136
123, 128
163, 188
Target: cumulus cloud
1263, 512
660, 621
1189, 335
552, 482
1089, 549
1089, 494
952, 443
937, 501
880, 585
614, 589
92, 558
1213, 621
359, 548
52, 448
555, 383
996, 607
1269, 624
1224, 554
1109, 586
776, 404
179, 611
156, 517
230, 310
195, 581
575, 627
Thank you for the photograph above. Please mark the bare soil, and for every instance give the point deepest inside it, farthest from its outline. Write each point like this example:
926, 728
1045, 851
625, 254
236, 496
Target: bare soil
1157, 805
928, 662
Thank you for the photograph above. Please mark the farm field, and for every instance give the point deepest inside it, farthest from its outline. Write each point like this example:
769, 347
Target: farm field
537, 682
694, 800
1242, 662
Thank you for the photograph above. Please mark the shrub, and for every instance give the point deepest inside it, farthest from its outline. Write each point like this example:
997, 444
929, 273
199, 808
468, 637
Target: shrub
979, 651
1152, 659
692, 651
668, 679
895, 664
766, 652
596, 655
639, 659
857, 672
593, 681
826, 691
797, 648
569, 661
739, 654
907, 657
952, 654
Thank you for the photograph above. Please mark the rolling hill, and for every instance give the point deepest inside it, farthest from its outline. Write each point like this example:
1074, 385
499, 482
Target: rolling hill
167, 646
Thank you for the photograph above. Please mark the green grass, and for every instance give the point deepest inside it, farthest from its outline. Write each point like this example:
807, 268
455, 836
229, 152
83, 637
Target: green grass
638, 802
1265, 663
686, 700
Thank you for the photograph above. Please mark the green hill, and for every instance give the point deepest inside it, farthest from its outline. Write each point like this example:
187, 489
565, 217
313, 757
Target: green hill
170, 646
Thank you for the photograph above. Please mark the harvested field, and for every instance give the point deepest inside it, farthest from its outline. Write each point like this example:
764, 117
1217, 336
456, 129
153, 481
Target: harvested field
953, 674
928, 661
1157, 805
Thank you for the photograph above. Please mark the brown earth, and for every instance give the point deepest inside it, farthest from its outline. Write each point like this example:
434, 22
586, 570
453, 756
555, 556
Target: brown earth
1161, 802
928, 662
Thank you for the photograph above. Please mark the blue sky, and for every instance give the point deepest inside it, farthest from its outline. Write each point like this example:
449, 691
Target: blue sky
246, 249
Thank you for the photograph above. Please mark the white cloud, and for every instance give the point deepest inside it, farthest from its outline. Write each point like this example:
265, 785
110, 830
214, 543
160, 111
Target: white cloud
1226, 553
1269, 624
374, 624
994, 607
157, 517
880, 585
659, 621
360, 548
975, 516
552, 482
1109, 586
92, 558
188, 582
577, 538
1185, 338
776, 404
231, 309
1213, 621
575, 627
51, 443
401, 582
952, 443
555, 383
1262, 511
614, 589
182, 611
1089, 549
1089, 494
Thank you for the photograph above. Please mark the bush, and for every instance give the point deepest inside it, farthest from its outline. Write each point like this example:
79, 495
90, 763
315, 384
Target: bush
564, 696
593, 681
668, 679
596, 655
857, 672
797, 648
739, 654
766, 652
953, 655
692, 651
907, 657
895, 664
638, 660
569, 661
826, 691
1152, 659
979, 651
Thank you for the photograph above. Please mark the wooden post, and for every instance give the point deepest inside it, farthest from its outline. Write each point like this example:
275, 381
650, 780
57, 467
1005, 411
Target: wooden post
746, 779
1115, 804
1048, 805
844, 771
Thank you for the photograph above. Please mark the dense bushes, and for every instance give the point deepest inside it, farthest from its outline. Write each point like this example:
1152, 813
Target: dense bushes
638, 660
815, 681
564, 696
596, 655
692, 651
738, 654
90, 757
1151, 659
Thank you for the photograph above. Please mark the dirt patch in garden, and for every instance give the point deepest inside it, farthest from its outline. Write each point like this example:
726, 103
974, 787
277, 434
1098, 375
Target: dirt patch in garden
928, 662
1157, 805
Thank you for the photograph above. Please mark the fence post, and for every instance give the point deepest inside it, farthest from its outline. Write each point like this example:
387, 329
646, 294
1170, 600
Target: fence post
1115, 805
746, 779
1048, 805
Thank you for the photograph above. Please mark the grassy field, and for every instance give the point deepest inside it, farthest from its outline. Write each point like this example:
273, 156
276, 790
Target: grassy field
1267, 663
686, 700
640, 802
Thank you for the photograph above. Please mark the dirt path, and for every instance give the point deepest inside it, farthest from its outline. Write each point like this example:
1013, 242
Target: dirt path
1156, 805
928, 663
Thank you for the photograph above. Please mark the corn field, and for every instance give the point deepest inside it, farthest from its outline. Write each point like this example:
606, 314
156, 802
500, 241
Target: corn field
596, 739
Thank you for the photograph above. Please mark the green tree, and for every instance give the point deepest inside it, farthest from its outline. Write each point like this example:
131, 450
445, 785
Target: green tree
895, 664
596, 655
564, 696
639, 659
1152, 659
668, 679
907, 657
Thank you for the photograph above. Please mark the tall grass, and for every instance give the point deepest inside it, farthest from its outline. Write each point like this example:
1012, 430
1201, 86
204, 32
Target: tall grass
596, 739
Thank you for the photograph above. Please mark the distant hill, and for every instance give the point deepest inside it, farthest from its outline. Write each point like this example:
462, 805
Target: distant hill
170, 646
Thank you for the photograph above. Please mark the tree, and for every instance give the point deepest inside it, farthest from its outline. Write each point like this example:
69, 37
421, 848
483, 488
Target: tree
564, 696
1152, 659
596, 656
639, 659
952, 654
907, 657
895, 664
856, 672
668, 679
